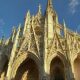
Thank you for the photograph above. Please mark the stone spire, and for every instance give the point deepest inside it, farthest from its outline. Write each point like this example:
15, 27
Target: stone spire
13, 34
49, 5
39, 11
50, 18
13, 52
50, 9
28, 14
65, 29
11, 39
27, 22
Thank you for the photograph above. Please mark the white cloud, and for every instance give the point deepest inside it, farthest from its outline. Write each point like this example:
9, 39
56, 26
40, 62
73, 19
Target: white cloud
73, 5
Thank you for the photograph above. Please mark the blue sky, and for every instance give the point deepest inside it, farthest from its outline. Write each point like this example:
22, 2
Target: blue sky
12, 12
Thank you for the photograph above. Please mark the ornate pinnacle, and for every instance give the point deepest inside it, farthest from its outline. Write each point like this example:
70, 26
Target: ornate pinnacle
13, 33
13, 29
49, 3
39, 14
50, 7
27, 21
19, 31
65, 30
28, 14
64, 23
19, 28
39, 9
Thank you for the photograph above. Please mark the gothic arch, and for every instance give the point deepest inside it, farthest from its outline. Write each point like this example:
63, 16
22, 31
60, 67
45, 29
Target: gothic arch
50, 58
75, 56
21, 59
4, 71
3, 67
57, 69
60, 55
76, 66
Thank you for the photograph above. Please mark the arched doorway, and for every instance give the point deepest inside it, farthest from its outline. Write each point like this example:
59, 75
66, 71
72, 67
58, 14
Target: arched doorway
77, 68
57, 69
28, 70
4, 71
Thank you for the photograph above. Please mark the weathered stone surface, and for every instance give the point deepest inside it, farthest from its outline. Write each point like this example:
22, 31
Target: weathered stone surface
39, 51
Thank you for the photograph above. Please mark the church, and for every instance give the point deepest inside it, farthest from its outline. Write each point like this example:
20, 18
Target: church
43, 49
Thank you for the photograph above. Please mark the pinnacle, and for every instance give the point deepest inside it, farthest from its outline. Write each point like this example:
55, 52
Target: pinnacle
39, 8
64, 23
19, 28
13, 29
50, 7
49, 3
28, 13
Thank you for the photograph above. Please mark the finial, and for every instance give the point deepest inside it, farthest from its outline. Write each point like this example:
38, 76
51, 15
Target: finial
40, 8
28, 16
64, 23
19, 24
49, 3
64, 28
13, 33
13, 30
18, 34
19, 28
28, 13
27, 22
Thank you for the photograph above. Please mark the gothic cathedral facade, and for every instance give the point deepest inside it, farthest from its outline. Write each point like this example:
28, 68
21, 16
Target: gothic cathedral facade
43, 49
